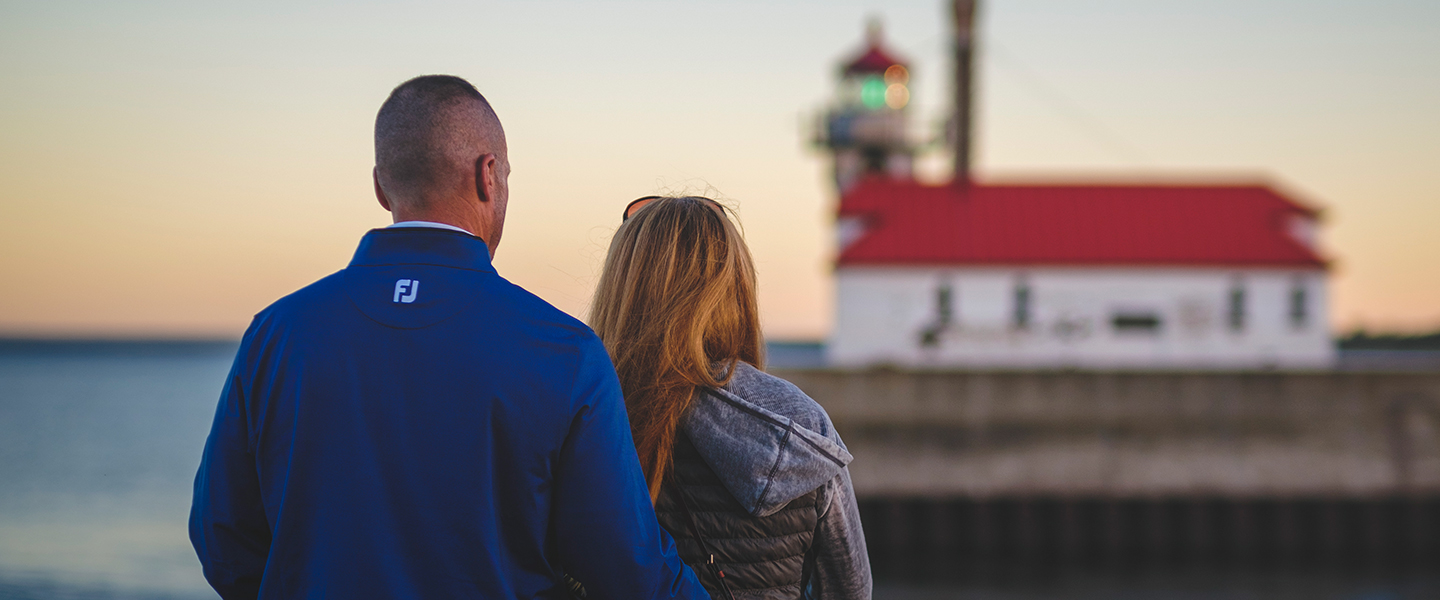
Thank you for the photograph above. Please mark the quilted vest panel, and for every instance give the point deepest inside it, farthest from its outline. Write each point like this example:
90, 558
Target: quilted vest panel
762, 557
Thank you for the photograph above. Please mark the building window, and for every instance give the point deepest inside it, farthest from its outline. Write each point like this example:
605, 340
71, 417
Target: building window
1022, 306
944, 314
944, 310
875, 159
1237, 308
1132, 322
1299, 306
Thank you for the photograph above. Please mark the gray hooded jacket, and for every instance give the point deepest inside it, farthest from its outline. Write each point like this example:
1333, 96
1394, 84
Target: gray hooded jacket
774, 450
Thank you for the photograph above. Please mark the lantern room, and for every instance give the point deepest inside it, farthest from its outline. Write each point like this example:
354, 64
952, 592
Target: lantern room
867, 125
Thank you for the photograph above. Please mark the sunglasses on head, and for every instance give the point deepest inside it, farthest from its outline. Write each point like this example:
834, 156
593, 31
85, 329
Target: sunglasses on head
635, 205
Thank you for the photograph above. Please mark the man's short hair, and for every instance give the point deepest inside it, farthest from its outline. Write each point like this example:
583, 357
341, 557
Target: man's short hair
426, 133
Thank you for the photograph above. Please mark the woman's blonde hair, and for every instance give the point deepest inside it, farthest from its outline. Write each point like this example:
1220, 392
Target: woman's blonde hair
676, 309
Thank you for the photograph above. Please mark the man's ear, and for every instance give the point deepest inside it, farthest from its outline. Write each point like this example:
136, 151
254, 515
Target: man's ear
484, 176
379, 193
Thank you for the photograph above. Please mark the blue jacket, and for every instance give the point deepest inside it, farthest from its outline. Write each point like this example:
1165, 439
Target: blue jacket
415, 426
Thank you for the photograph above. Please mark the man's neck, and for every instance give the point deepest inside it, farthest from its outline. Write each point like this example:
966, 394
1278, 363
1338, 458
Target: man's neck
470, 222
432, 224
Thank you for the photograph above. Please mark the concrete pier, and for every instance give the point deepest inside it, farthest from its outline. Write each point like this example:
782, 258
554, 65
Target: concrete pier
959, 471
1134, 435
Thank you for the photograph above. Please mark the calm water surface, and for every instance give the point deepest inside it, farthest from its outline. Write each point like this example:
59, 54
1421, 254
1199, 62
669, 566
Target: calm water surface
99, 444
98, 447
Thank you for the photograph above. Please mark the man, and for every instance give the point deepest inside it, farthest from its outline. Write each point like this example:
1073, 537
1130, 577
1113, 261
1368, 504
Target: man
415, 426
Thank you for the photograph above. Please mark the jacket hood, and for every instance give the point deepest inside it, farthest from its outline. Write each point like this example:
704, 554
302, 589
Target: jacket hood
767, 441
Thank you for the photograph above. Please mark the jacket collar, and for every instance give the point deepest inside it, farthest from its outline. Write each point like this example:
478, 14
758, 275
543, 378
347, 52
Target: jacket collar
422, 246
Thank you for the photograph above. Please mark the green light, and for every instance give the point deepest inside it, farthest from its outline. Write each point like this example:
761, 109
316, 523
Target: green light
872, 92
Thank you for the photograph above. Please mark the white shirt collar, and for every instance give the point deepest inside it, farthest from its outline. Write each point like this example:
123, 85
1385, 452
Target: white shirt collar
430, 224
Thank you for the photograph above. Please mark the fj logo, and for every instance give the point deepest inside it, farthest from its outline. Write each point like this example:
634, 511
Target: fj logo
406, 289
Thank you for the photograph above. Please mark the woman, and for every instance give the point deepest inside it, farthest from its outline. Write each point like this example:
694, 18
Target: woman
746, 471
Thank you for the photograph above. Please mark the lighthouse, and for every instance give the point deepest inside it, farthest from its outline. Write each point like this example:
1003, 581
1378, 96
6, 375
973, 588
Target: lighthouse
866, 127
977, 273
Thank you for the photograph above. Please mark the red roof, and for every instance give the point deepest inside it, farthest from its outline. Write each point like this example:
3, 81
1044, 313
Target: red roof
874, 60
1235, 225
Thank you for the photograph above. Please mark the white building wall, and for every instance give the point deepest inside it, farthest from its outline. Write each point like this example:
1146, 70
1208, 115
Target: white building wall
1079, 318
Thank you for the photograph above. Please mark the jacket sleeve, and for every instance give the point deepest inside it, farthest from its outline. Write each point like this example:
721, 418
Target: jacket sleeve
228, 526
606, 531
842, 565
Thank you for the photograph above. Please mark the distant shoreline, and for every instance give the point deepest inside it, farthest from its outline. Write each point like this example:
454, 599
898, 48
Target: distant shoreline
781, 354
115, 346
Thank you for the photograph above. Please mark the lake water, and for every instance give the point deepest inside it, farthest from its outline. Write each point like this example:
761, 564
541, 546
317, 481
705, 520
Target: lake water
98, 448
99, 443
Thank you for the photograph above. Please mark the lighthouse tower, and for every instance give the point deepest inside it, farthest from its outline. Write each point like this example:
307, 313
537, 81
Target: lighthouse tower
865, 127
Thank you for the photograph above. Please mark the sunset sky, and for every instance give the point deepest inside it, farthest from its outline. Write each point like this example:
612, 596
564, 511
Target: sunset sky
170, 168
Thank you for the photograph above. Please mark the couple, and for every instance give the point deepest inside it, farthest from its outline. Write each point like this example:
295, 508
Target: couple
415, 426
